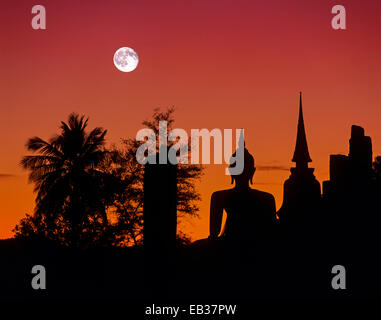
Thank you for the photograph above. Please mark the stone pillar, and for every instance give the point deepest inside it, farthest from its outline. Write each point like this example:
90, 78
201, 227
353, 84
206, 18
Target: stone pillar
160, 201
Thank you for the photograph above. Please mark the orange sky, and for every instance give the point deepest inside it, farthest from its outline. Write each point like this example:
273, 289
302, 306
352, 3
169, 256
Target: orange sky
222, 64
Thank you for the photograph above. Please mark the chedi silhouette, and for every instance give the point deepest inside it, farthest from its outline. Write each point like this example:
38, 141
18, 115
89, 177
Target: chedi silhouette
301, 196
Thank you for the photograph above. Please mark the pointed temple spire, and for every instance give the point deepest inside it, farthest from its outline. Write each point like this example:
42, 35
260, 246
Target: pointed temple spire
301, 154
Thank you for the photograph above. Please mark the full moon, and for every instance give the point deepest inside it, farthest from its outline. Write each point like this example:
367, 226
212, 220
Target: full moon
126, 59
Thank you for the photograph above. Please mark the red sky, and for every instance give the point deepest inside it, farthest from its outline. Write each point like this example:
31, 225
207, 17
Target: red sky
222, 64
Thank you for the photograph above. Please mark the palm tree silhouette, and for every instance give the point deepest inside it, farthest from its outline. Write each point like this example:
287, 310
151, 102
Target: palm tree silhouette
69, 185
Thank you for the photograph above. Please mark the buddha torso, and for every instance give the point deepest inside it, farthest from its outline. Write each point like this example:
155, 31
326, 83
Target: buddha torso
250, 213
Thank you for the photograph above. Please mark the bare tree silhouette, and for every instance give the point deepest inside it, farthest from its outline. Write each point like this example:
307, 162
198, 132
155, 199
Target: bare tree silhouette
128, 207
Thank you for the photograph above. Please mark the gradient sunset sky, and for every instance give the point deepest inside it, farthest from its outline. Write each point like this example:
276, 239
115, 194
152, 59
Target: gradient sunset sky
222, 64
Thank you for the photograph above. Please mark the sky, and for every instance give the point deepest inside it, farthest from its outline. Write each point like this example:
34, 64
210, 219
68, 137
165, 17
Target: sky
222, 64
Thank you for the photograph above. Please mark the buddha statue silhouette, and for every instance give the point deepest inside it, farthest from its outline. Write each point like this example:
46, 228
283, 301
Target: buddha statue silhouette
251, 213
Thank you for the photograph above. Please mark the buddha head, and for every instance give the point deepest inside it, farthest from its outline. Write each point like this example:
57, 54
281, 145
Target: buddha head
248, 169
